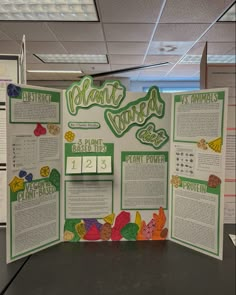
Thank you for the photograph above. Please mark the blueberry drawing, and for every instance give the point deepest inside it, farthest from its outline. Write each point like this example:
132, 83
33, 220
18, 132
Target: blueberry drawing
29, 177
13, 90
22, 173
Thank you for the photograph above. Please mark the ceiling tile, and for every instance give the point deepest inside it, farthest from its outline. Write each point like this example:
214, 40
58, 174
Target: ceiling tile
45, 47
121, 67
9, 47
179, 32
213, 48
232, 51
192, 11
186, 68
34, 31
184, 71
77, 31
169, 47
127, 47
221, 32
92, 69
85, 47
197, 49
3, 36
31, 59
132, 11
152, 59
161, 68
125, 59
128, 32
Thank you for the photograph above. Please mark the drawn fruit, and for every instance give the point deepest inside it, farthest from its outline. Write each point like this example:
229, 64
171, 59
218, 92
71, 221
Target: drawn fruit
44, 171
69, 136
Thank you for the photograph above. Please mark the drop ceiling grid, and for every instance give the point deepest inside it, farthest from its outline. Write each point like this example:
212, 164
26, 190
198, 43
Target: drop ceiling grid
34, 31
86, 47
128, 27
49, 47
94, 68
128, 32
151, 59
213, 48
179, 32
11, 47
3, 36
193, 11
132, 11
127, 47
77, 31
220, 32
125, 59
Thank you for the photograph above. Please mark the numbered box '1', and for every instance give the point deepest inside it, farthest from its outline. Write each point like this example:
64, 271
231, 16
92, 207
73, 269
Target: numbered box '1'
89, 164
73, 165
104, 164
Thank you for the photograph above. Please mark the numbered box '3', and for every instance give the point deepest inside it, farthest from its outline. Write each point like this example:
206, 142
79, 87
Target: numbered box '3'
104, 164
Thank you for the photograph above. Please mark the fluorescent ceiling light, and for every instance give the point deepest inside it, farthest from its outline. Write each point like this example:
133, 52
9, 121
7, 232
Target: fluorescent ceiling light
222, 59
48, 10
54, 71
230, 15
72, 58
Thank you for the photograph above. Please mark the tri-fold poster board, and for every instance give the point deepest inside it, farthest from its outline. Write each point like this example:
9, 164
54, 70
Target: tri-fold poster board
103, 164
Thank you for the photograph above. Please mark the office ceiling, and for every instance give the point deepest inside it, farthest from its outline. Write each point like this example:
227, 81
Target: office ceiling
130, 33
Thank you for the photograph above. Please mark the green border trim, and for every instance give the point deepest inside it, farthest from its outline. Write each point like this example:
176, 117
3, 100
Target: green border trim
54, 99
166, 154
134, 103
188, 243
87, 180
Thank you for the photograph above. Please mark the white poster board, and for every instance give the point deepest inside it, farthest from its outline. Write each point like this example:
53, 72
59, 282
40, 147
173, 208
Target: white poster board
9, 73
33, 169
197, 179
108, 157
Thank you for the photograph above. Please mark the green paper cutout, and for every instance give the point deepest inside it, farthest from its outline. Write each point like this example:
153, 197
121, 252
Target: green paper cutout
135, 113
54, 178
69, 225
150, 136
84, 94
84, 125
130, 231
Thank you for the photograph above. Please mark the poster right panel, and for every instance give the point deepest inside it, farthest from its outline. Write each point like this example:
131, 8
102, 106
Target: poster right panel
197, 170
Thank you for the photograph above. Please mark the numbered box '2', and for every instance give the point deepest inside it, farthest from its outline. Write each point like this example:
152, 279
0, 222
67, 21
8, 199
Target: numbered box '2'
89, 164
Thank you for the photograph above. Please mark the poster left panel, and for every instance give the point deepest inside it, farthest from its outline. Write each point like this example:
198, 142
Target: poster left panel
8, 74
33, 169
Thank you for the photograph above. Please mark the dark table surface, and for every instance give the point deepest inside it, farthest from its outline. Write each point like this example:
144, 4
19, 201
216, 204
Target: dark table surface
120, 268
7, 271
